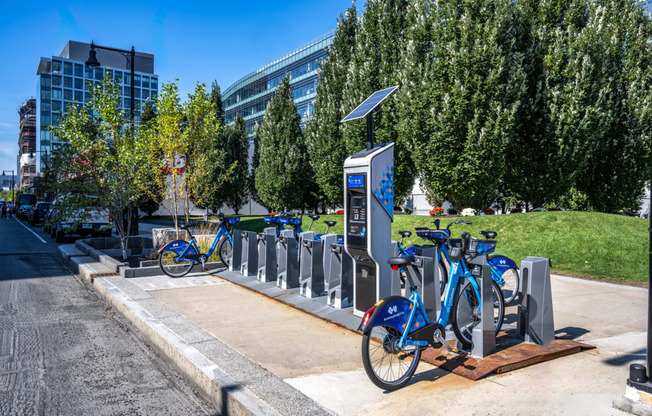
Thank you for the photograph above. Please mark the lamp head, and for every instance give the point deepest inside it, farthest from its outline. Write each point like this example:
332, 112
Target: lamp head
92, 57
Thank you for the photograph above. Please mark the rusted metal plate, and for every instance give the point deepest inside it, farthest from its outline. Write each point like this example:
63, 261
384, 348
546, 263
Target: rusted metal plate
511, 354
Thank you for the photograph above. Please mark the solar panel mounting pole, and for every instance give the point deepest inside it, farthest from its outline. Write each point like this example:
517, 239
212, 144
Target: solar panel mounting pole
370, 131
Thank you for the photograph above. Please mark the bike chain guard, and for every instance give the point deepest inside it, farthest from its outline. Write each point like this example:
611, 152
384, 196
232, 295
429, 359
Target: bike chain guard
428, 333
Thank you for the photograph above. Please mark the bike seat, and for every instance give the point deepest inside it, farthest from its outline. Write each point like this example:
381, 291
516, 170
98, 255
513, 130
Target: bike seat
401, 261
489, 234
313, 217
405, 233
330, 223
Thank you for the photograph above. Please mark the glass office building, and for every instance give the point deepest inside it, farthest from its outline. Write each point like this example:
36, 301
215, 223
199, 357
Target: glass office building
250, 95
65, 81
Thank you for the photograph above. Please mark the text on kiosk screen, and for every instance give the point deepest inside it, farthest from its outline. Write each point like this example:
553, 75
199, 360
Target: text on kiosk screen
358, 218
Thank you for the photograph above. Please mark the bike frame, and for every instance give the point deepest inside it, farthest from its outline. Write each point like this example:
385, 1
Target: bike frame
458, 271
193, 243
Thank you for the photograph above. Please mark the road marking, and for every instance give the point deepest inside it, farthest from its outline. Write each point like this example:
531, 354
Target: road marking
27, 228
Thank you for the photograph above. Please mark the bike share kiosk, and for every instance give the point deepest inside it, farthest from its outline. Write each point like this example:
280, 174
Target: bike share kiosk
369, 211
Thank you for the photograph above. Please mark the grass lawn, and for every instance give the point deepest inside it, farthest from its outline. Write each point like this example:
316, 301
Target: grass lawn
578, 243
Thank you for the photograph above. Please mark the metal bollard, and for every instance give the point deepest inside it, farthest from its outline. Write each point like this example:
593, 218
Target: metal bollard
311, 268
535, 314
236, 251
288, 265
249, 261
484, 335
428, 285
340, 278
267, 255
326, 241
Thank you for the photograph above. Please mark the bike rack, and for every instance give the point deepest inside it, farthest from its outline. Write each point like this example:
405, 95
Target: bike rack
340, 277
326, 241
311, 267
236, 250
249, 263
288, 264
267, 255
425, 261
535, 314
484, 335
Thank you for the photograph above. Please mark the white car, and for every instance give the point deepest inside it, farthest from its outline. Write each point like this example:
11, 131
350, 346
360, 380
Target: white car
468, 212
87, 221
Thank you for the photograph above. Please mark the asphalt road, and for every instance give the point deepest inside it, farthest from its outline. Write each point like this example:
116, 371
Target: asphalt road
62, 351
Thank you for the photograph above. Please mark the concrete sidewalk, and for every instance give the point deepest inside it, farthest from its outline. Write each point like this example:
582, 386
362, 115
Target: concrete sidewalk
254, 355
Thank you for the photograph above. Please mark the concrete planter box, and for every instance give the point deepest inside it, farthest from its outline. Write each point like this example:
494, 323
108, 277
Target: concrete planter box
155, 270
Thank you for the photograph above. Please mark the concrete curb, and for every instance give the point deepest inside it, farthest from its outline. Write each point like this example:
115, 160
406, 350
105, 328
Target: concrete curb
229, 396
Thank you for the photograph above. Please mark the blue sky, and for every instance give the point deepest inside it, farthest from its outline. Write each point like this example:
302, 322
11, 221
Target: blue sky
191, 41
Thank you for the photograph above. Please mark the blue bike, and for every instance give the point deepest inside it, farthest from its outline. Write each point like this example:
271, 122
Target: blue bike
504, 270
178, 257
397, 329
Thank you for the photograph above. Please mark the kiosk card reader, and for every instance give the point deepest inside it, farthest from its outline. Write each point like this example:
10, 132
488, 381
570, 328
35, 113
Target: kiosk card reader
369, 210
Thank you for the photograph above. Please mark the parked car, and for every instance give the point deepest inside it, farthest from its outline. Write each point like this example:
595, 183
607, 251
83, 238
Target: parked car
87, 221
37, 215
23, 211
50, 217
24, 199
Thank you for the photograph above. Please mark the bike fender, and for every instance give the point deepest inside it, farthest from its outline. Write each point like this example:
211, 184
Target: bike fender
177, 246
393, 311
501, 263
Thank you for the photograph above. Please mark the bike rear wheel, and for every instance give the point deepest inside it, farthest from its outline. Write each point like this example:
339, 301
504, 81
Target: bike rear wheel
510, 288
387, 366
224, 250
466, 312
172, 266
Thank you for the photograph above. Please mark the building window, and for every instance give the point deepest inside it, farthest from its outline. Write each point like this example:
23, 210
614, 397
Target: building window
55, 119
56, 67
154, 95
109, 73
88, 86
136, 80
145, 82
99, 73
56, 80
154, 83
67, 82
45, 107
67, 95
79, 70
136, 92
56, 106
88, 72
56, 93
79, 84
127, 91
117, 76
127, 103
145, 94
45, 94
79, 96
45, 80
67, 68
87, 96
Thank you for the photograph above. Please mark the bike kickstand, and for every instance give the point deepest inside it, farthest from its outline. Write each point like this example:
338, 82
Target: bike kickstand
442, 340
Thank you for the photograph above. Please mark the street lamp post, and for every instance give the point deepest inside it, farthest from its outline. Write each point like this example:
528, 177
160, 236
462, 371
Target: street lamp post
93, 62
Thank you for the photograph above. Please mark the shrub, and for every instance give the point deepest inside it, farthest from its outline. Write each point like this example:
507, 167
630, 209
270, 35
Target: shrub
339, 212
489, 211
452, 211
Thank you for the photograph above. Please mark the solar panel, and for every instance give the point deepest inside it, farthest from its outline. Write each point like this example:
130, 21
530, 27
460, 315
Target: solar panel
370, 104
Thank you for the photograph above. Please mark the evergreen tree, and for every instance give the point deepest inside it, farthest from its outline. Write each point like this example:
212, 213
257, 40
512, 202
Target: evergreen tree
324, 132
147, 113
216, 99
280, 176
237, 155
375, 65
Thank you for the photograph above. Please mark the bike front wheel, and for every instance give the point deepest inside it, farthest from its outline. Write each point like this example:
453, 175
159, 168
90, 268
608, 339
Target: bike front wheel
388, 366
443, 277
225, 251
466, 312
510, 287
172, 266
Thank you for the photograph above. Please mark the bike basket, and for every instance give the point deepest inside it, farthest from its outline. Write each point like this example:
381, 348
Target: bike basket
455, 249
232, 220
290, 221
271, 220
438, 235
484, 247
